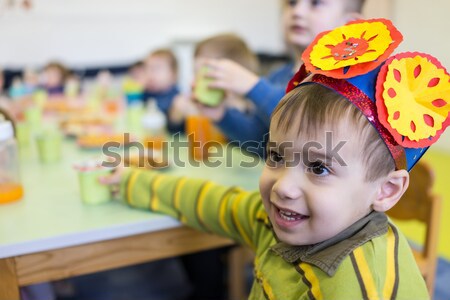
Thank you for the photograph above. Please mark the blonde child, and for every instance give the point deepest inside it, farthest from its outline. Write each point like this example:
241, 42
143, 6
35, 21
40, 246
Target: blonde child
338, 159
302, 21
233, 48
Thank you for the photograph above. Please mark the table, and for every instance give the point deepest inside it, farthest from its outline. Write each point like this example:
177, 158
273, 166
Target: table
51, 235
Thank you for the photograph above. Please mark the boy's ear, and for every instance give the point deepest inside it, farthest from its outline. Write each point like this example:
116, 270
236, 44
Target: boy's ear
391, 190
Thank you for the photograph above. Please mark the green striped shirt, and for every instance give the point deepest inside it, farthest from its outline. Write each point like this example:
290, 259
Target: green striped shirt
381, 268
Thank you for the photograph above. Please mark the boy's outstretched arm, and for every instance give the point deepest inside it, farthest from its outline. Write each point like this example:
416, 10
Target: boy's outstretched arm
202, 204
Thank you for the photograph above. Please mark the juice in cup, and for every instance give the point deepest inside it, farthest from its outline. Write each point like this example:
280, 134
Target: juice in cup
10, 192
198, 131
10, 187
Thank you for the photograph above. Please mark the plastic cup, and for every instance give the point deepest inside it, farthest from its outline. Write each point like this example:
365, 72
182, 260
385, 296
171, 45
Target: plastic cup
198, 131
134, 114
91, 190
40, 97
204, 94
49, 147
33, 116
23, 134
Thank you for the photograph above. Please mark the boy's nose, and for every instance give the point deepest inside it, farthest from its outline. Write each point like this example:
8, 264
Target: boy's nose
288, 186
299, 8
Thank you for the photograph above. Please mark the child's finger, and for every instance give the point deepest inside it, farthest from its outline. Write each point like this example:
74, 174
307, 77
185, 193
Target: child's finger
113, 178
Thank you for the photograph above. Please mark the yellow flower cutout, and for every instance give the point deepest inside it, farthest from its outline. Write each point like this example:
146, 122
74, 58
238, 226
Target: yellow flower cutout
414, 99
353, 49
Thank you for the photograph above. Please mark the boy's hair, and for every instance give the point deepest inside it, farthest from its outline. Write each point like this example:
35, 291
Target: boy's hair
136, 64
229, 46
169, 55
316, 106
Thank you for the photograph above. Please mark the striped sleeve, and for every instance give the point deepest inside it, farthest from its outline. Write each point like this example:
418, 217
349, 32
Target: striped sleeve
202, 204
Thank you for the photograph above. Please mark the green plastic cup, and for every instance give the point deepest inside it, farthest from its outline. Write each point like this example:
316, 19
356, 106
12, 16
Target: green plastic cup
33, 116
49, 147
134, 116
91, 190
204, 94
23, 134
40, 97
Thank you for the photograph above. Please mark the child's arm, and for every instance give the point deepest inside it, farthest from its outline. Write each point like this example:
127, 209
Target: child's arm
233, 77
202, 204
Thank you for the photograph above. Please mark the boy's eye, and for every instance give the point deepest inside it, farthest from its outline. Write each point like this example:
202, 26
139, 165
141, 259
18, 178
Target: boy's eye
318, 168
316, 2
292, 3
274, 157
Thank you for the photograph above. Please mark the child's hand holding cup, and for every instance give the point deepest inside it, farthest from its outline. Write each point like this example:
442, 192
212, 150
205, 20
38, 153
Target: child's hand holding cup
203, 93
92, 190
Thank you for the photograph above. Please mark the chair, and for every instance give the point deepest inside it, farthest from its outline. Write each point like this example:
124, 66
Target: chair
238, 259
419, 203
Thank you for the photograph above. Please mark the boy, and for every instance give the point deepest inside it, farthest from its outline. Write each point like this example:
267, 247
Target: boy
338, 157
302, 21
222, 46
161, 70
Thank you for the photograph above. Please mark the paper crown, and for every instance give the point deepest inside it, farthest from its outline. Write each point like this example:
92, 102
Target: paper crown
406, 97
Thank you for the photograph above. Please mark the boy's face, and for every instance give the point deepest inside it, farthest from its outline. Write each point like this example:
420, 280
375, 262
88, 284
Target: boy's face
160, 76
304, 19
309, 198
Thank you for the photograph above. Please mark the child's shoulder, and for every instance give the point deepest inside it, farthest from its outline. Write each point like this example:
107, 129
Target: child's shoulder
384, 266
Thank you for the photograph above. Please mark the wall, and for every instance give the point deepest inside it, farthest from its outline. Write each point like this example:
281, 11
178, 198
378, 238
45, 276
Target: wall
425, 26
92, 32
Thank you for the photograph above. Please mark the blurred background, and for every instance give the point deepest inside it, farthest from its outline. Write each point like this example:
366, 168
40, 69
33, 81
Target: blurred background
89, 36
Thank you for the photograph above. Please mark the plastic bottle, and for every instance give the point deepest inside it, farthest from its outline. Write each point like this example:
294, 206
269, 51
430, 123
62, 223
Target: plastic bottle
10, 186
154, 125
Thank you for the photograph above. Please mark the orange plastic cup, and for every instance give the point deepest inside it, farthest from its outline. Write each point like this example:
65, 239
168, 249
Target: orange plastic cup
199, 132
10, 192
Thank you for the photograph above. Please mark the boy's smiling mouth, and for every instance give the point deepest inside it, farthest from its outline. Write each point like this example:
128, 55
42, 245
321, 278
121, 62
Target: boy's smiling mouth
288, 218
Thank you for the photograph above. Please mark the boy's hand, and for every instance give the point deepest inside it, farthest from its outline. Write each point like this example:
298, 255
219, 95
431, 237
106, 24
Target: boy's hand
215, 113
182, 106
230, 76
113, 180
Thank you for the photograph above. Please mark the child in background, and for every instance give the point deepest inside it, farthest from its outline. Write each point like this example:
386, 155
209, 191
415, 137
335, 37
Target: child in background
302, 21
222, 46
53, 79
30, 81
161, 72
338, 158
232, 47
